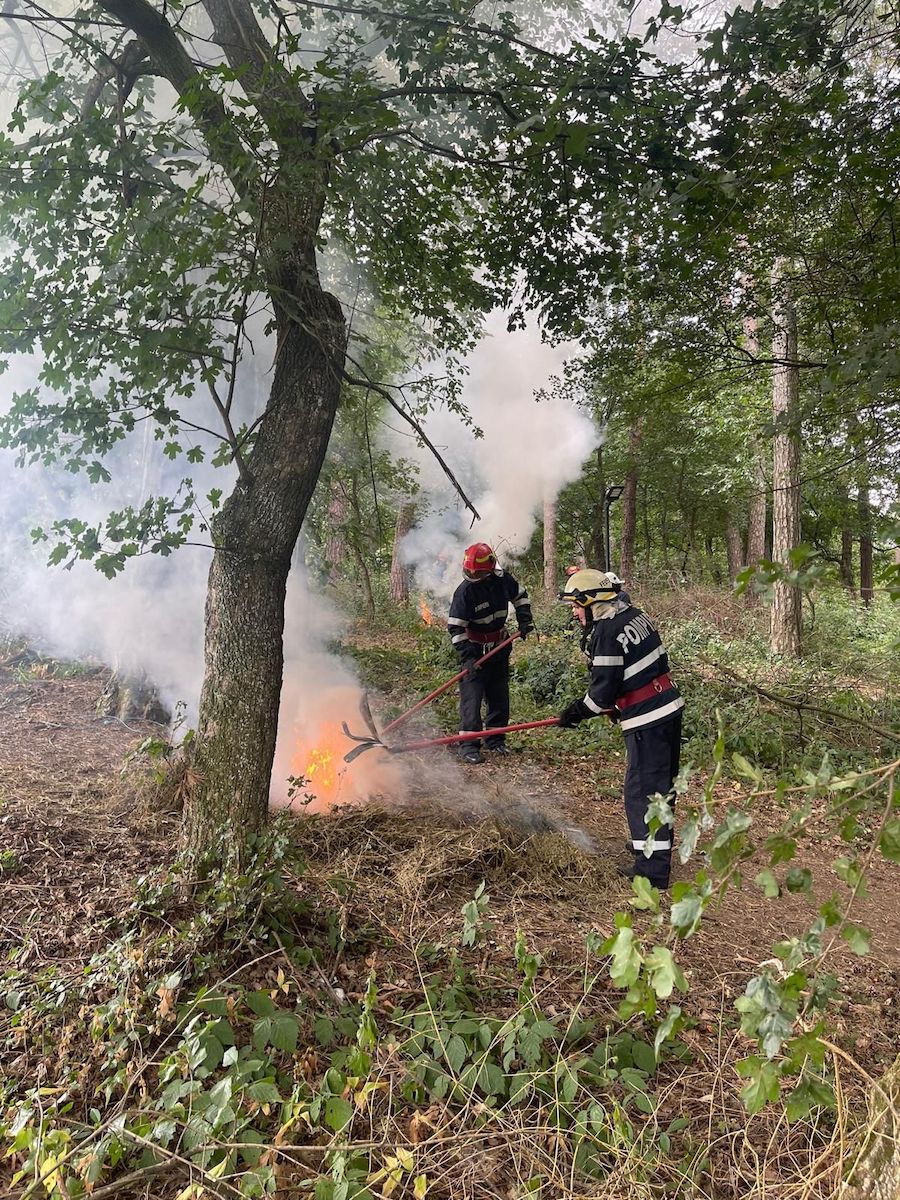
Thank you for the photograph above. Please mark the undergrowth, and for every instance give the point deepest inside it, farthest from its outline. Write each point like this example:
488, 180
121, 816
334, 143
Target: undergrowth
208, 1043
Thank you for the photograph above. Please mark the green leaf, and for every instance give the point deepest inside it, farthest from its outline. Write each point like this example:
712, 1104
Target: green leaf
798, 879
646, 896
769, 884
284, 1033
338, 1113
664, 973
626, 958
323, 1031
857, 938
763, 1086
809, 1095
644, 1056
671, 1023
264, 1091
746, 769
261, 1003
889, 842
456, 1052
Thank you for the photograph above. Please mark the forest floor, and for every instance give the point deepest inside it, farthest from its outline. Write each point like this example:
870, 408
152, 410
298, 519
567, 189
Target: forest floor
544, 832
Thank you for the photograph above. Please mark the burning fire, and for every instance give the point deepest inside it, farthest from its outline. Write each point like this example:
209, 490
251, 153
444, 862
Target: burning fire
322, 766
312, 745
427, 615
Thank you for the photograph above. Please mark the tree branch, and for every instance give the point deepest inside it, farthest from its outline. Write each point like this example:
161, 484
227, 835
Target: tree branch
383, 391
173, 62
265, 81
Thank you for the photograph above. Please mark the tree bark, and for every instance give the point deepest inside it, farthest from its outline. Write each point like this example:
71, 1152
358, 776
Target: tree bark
551, 566
759, 485
866, 573
629, 506
400, 572
757, 512
645, 521
734, 550
784, 634
255, 532
846, 564
335, 542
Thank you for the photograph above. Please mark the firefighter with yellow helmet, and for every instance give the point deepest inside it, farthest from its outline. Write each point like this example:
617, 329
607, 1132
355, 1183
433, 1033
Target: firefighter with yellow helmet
630, 683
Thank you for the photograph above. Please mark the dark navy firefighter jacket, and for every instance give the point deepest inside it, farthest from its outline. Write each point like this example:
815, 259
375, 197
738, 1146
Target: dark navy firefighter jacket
625, 653
481, 606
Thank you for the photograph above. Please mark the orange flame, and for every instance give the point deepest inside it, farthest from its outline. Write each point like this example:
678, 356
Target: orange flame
311, 748
426, 612
322, 768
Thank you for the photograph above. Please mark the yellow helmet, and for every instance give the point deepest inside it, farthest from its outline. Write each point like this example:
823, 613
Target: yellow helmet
587, 587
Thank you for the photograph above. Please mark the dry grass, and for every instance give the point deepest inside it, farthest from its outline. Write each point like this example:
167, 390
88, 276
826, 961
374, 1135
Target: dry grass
397, 877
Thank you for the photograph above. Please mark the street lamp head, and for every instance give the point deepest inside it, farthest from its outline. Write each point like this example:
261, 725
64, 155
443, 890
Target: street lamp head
613, 492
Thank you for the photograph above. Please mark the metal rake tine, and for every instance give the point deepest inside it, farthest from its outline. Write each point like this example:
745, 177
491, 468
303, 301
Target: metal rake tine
356, 737
369, 744
366, 714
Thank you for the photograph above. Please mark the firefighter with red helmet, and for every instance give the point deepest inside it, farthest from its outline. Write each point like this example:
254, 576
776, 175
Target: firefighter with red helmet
476, 623
630, 683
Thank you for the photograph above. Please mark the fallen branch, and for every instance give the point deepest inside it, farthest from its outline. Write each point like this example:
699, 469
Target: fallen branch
800, 705
134, 1177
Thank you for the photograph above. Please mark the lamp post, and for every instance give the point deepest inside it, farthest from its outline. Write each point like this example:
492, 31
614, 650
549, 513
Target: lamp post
613, 492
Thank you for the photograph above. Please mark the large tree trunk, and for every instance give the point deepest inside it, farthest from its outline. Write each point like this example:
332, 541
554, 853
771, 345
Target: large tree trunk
255, 533
629, 506
551, 567
400, 572
784, 634
866, 575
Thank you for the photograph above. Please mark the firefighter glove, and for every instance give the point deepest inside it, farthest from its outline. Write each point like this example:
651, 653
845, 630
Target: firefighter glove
524, 631
573, 714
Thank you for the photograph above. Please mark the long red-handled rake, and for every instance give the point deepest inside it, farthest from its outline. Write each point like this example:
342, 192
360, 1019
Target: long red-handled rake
369, 743
375, 738
453, 738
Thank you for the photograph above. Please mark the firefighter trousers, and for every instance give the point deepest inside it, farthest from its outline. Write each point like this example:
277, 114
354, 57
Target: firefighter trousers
488, 686
653, 758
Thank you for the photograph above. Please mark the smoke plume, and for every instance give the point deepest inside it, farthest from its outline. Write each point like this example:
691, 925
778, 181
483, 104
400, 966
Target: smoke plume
531, 449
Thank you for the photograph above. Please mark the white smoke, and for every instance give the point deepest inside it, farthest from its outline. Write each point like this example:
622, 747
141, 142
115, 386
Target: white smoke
531, 449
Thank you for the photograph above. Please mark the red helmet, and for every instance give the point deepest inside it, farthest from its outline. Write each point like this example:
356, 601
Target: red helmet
478, 561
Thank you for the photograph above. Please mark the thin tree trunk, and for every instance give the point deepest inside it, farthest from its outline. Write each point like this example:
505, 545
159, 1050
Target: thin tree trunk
757, 512
629, 505
759, 485
866, 575
846, 566
400, 572
734, 550
359, 557
336, 544
551, 567
664, 535
645, 514
365, 576
784, 633
255, 532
